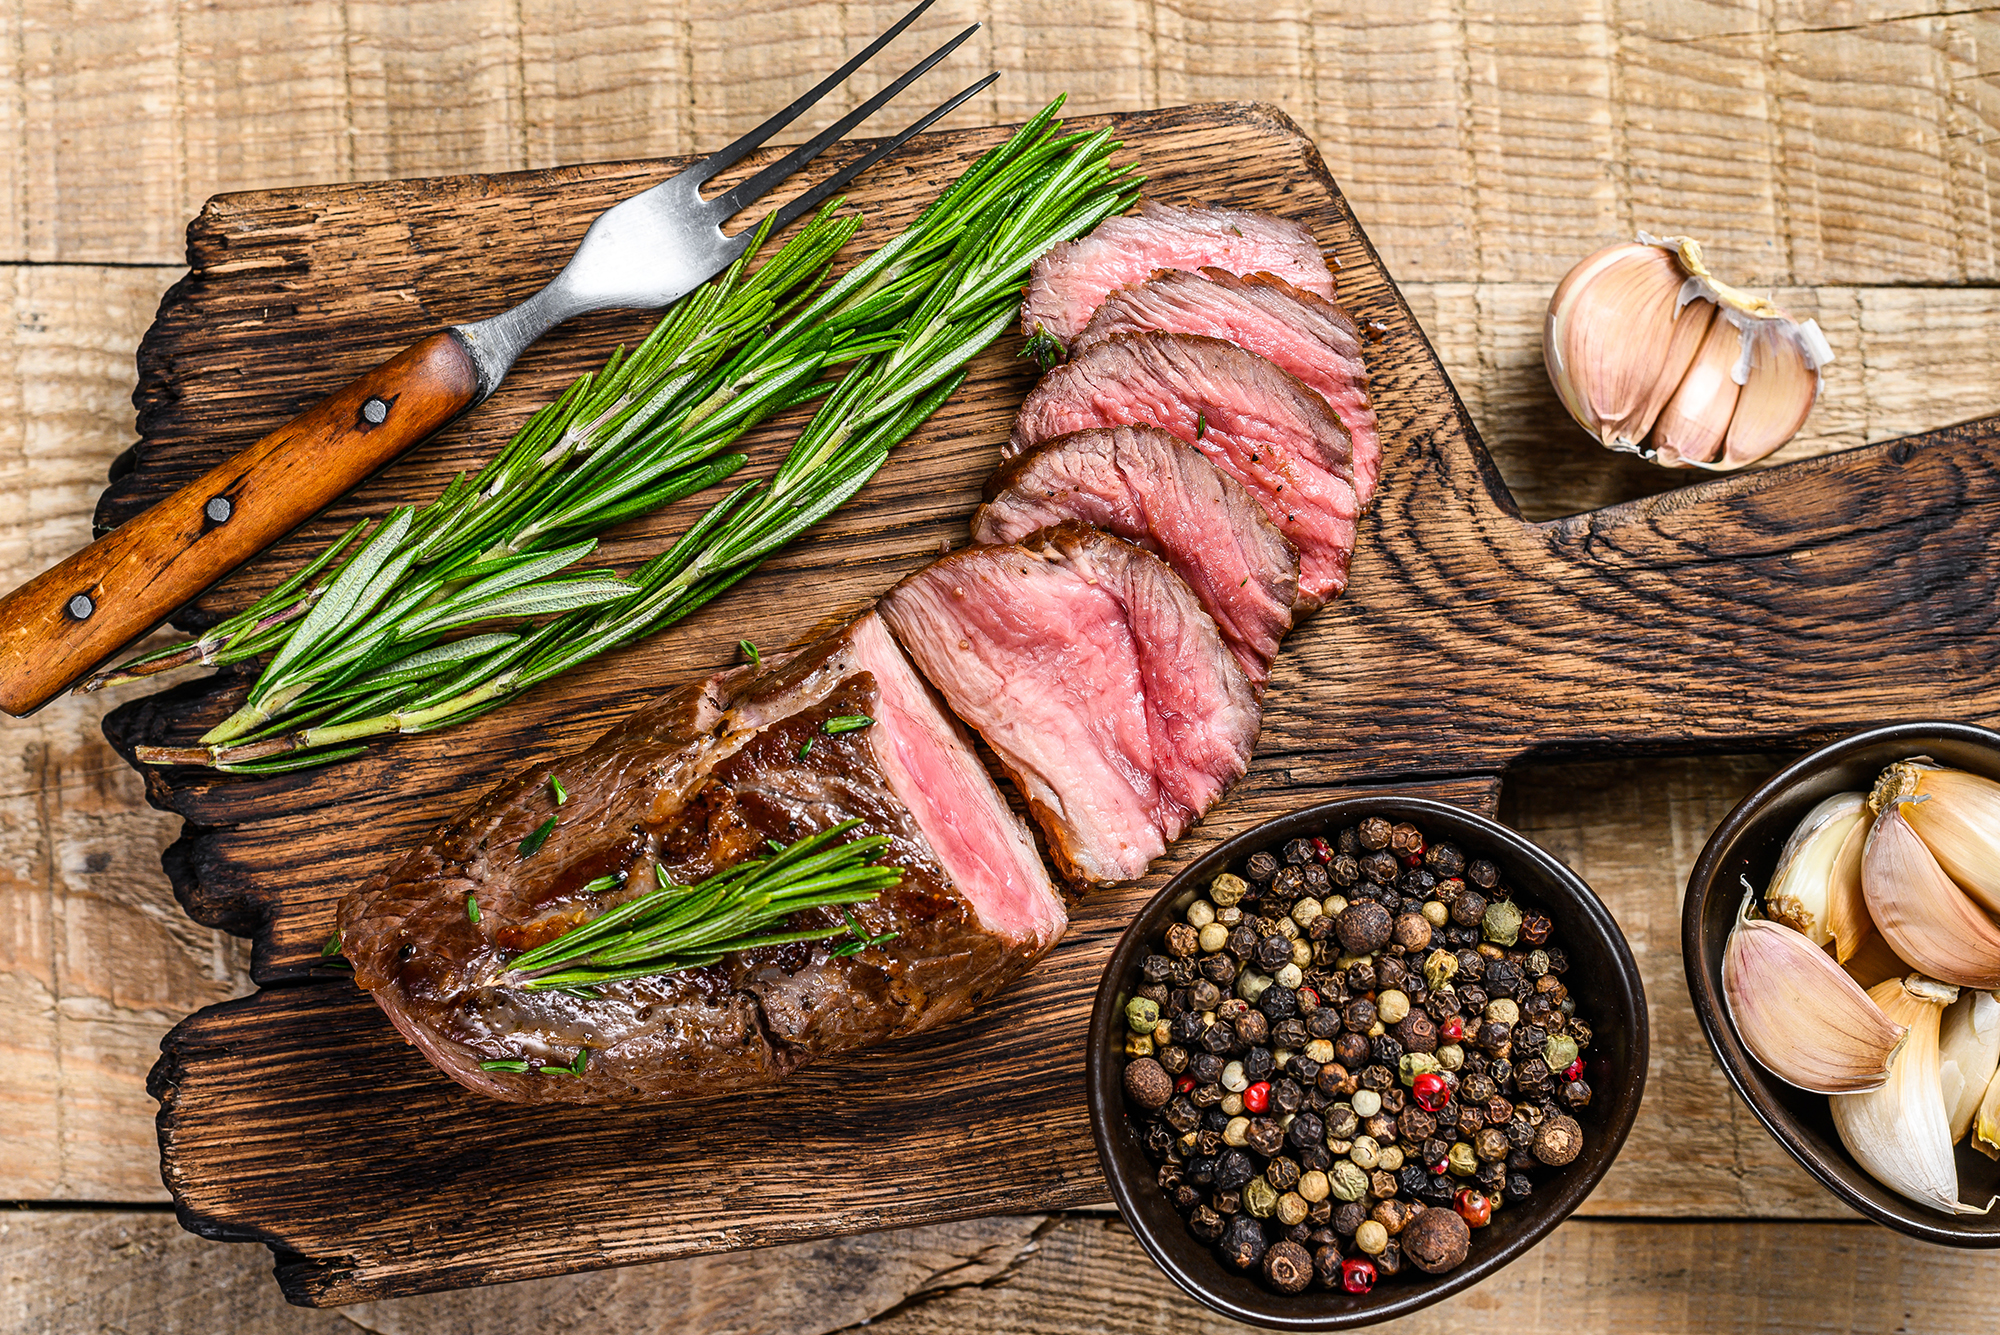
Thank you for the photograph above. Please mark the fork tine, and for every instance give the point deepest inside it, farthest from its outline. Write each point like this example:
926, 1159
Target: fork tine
723, 157
727, 204
812, 198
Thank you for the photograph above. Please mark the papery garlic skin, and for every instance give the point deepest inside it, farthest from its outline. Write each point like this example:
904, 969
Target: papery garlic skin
1800, 1015
1899, 1133
1958, 820
1921, 912
1986, 1122
1816, 889
1656, 356
1968, 1056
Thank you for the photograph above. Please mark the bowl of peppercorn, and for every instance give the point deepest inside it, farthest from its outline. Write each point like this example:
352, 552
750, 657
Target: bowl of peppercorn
1358, 1058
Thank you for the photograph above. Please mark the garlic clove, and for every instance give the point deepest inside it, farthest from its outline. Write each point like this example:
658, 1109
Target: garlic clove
1778, 372
1968, 1055
1872, 960
1900, 1132
1617, 338
1811, 876
1957, 815
1799, 1013
1693, 425
1923, 915
1986, 1122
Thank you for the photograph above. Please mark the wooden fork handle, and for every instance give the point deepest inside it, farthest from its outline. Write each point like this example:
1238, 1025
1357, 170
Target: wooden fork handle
67, 620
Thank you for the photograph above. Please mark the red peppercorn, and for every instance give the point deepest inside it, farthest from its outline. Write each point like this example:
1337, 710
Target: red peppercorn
1187, 1084
1474, 1208
1430, 1091
1414, 860
1357, 1275
1323, 851
1574, 1071
1452, 1030
1257, 1098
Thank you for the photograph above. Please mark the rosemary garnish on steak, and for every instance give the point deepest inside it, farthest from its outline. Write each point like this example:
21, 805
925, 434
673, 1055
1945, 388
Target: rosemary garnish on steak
677, 927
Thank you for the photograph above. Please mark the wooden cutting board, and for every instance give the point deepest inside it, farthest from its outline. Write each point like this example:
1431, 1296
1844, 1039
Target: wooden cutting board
1769, 609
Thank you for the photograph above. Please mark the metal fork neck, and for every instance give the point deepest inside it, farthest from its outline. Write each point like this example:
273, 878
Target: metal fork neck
495, 343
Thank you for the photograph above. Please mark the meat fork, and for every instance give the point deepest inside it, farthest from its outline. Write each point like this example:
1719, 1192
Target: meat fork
647, 251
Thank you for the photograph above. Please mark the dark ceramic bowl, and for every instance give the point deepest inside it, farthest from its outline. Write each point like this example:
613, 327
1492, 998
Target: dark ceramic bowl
1601, 976
1746, 845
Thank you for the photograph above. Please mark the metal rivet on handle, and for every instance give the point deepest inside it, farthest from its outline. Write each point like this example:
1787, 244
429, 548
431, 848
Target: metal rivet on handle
218, 509
80, 607
375, 412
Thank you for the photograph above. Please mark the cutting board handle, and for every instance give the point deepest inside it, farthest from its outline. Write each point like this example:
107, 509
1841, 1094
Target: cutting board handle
67, 620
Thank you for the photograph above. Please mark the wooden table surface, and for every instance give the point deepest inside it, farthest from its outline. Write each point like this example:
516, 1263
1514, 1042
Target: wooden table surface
1839, 154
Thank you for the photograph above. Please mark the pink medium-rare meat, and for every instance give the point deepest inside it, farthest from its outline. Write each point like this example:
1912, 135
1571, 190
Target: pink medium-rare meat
1067, 283
1258, 424
1147, 487
1094, 674
1300, 332
692, 784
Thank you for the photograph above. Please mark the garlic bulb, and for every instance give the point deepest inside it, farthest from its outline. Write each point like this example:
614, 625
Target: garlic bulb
1900, 1133
1968, 1055
1641, 340
1799, 1013
1817, 886
1957, 815
1925, 918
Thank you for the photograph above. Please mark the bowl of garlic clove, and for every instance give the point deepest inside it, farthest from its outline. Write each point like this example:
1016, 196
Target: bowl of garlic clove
1656, 356
1841, 937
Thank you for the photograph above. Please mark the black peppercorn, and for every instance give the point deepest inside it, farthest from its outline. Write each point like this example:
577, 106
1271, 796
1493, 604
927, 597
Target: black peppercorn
1378, 1078
1535, 929
1574, 1094
1307, 1129
1287, 1096
1234, 1169
1322, 1023
1302, 1068
1218, 969
1416, 1125
1380, 868
1260, 868
1373, 832
1206, 1067
1205, 1223
1344, 870
1182, 940
1468, 909
1519, 1186
1317, 882
1444, 859
1243, 940
1482, 873
1242, 1242
1288, 884
1278, 1001
1359, 1015
1326, 1265
1288, 1267
1252, 1026
1386, 1050
1266, 1136
1298, 851
1352, 1050
1417, 1032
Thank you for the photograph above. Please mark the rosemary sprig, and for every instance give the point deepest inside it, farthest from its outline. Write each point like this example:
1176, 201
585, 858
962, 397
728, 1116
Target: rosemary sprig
675, 927
366, 655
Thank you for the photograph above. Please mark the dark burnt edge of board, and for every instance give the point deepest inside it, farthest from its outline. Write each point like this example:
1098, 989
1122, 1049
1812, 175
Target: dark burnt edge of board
335, 1280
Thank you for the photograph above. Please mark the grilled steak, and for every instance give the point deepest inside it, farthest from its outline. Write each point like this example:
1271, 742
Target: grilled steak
1300, 332
1258, 424
1092, 670
696, 782
1148, 488
1069, 282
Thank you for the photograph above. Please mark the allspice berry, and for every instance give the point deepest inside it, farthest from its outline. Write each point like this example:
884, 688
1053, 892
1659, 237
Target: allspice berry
1364, 927
1412, 931
1288, 1267
1558, 1141
1436, 1241
1148, 1084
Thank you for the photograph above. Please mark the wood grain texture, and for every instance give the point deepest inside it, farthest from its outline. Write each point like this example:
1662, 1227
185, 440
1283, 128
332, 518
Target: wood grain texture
1471, 639
1026, 1275
1808, 143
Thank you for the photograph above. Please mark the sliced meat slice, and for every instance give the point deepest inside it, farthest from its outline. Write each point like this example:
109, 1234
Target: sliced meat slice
1092, 671
1258, 424
692, 784
1300, 332
1067, 284
1151, 489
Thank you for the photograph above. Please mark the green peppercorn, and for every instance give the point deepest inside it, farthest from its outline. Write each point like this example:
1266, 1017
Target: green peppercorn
1260, 1198
1461, 1159
1440, 967
1414, 1064
1347, 1181
1227, 889
1142, 1015
1501, 923
1559, 1051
